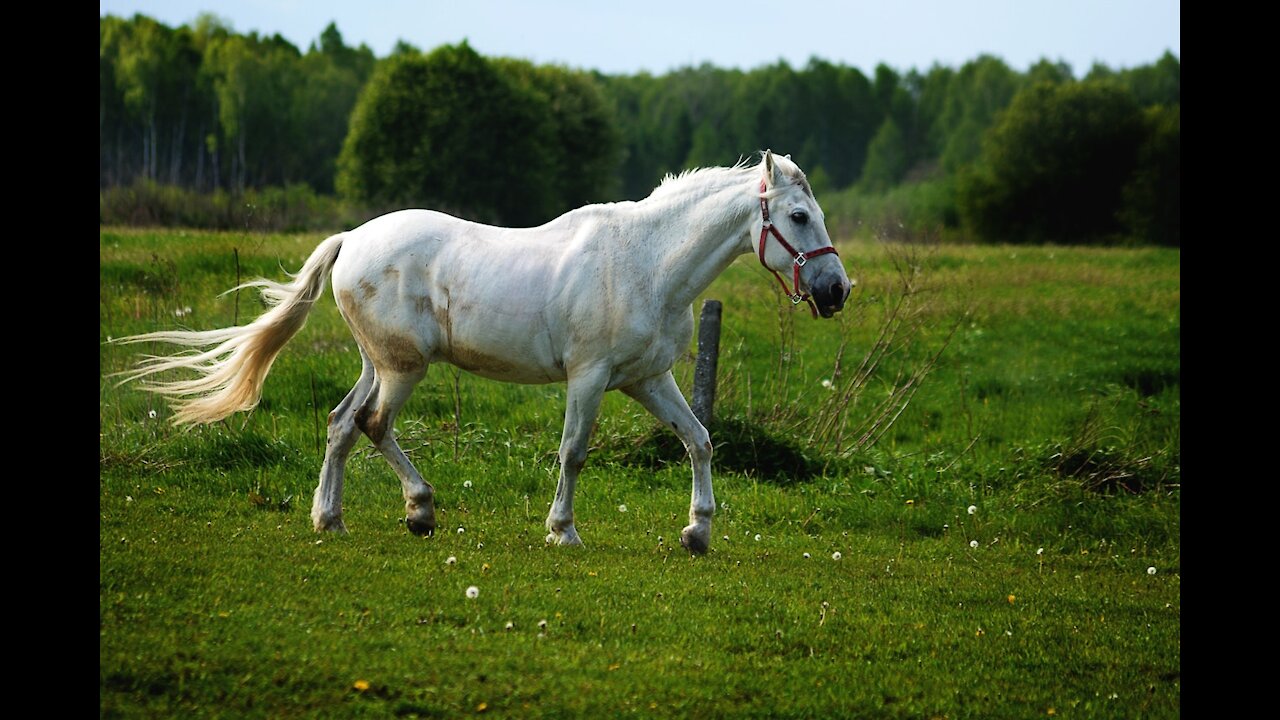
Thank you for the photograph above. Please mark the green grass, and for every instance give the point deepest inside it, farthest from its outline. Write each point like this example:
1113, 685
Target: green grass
1055, 410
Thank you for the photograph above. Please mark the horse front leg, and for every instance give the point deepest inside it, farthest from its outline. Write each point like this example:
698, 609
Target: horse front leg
581, 407
662, 398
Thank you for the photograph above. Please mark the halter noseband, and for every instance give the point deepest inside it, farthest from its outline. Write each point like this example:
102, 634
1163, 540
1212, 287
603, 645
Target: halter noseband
798, 258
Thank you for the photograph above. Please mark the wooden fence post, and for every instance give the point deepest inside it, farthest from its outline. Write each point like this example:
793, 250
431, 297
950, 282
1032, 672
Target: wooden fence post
704, 371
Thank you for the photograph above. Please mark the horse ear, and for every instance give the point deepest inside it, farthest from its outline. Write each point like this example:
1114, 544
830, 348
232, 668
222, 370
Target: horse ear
769, 168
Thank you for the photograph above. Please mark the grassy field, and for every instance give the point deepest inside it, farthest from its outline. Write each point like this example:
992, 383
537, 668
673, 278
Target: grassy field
1009, 545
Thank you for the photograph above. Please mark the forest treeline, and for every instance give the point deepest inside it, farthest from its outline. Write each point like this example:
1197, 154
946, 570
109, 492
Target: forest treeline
202, 125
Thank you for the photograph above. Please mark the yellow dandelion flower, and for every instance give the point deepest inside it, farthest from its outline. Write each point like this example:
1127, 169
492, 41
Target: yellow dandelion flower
1011, 598
361, 685
482, 707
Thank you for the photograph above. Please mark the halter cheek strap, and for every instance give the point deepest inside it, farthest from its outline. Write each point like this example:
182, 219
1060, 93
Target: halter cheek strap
798, 258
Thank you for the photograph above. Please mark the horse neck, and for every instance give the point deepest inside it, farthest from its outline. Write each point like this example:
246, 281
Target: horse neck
699, 238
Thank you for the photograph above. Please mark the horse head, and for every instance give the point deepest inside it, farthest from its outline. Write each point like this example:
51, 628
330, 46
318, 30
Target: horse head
793, 238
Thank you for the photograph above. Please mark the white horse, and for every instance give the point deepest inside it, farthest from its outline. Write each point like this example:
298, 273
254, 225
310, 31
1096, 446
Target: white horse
600, 298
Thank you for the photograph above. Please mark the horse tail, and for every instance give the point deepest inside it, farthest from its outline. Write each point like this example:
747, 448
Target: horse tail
233, 363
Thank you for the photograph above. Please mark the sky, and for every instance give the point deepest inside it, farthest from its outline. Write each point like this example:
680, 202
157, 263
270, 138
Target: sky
657, 36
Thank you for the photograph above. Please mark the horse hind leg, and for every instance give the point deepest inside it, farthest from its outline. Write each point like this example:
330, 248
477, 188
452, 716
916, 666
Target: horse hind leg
326, 507
376, 418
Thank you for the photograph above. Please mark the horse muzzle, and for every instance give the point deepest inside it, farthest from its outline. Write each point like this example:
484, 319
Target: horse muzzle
829, 294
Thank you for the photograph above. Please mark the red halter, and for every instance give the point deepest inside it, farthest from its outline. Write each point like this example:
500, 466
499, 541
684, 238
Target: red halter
798, 258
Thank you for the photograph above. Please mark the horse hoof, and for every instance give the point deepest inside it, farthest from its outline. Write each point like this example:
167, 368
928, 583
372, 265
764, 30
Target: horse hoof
693, 541
564, 537
331, 524
421, 528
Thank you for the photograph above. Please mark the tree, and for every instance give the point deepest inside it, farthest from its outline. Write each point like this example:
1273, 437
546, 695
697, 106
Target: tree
1054, 166
448, 130
585, 155
980, 89
1151, 210
886, 158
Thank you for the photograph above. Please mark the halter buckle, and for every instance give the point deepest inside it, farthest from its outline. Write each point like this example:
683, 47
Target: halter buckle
800, 261
797, 298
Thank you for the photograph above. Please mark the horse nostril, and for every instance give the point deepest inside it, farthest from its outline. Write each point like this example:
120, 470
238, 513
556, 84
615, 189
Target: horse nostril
839, 292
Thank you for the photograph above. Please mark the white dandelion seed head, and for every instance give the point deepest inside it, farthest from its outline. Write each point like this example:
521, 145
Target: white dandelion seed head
473, 592
826, 384
726, 538
1039, 551
479, 546
806, 556
151, 414
510, 625
466, 483
542, 624
836, 555
622, 507
1151, 570
973, 509
461, 529
973, 543
757, 537
451, 561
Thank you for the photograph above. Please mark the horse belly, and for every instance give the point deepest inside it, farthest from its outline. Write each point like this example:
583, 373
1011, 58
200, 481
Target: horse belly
499, 346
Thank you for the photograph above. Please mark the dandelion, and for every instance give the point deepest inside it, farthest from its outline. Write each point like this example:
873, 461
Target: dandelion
1039, 551
911, 502
542, 625
973, 509
1151, 570
726, 538
128, 498
510, 625
461, 529
361, 685
826, 384
473, 592
479, 546
806, 556
151, 414
451, 560
622, 507
484, 568
466, 483
973, 543
757, 537
836, 555
1012, 598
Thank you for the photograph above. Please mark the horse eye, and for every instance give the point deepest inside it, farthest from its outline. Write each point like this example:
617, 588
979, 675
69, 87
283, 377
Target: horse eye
799, 217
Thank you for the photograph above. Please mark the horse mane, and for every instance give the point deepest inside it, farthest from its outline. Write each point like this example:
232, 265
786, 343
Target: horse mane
673, 183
